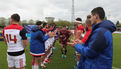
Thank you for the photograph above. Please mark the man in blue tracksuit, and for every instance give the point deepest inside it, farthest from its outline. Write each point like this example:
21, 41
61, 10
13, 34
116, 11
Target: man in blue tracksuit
97, 52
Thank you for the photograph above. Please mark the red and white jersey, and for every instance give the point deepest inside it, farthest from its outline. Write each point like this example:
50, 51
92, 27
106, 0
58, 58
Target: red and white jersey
13, 37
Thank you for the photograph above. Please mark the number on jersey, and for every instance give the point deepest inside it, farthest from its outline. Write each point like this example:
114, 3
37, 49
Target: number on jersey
9, 38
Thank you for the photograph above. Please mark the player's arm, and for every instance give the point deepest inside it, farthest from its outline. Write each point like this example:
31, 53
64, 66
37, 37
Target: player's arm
42, 37
69, 35
25, 42
78, 35
4, 38
24, 37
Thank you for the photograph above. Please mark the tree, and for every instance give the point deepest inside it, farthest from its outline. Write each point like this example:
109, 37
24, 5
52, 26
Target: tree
31, 22
117, 23
8, 21
2, 21
105, 18
24, 22
62, 23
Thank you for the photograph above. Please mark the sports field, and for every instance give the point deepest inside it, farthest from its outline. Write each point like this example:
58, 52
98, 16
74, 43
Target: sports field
57, 62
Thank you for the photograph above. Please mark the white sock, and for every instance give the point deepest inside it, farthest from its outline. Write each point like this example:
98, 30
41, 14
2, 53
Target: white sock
36, 66
51, 50
46, 58
32, 66
42, 63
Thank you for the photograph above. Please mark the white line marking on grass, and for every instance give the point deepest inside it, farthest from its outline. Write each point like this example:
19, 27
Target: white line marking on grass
115, 67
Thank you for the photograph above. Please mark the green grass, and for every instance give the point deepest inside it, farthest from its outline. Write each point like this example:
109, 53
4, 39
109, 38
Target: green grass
117, 50
57, 62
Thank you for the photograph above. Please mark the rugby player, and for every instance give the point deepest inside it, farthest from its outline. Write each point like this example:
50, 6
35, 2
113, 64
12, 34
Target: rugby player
64, 36
15, 38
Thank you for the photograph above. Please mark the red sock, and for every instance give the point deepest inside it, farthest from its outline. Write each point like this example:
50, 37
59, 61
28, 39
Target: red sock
32, 63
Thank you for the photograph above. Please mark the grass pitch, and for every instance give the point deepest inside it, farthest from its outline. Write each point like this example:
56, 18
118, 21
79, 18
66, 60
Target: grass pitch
57, 62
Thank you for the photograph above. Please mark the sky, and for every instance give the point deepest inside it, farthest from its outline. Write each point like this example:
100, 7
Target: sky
60, 9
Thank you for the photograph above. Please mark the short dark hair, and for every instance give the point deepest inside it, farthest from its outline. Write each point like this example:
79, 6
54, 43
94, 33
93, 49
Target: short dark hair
44, 24
89, 16
78, 19
88, 21
100, 11
38, 23
15, 17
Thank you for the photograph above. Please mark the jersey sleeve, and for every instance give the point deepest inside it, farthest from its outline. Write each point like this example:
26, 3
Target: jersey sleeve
23, 34
42, 37
3, 34
81, 28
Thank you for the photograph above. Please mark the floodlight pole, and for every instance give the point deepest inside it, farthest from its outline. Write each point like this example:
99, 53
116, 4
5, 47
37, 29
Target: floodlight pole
73, 14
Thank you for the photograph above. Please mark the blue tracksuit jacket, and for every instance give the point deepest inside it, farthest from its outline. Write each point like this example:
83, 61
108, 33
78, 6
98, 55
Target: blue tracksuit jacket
37, 44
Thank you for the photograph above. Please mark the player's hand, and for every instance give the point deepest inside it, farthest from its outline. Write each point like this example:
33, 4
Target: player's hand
53, 34
50, 34
72, 44
77, 40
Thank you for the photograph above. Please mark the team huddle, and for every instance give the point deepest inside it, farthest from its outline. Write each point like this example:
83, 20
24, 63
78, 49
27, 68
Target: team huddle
91, 46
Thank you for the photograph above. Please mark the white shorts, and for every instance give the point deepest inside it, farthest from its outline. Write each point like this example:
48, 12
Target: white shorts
51, 40
16, 61
47, 44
